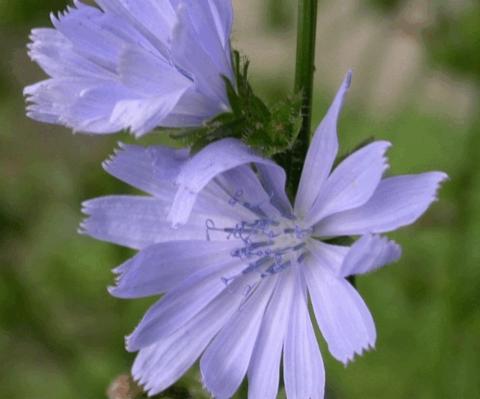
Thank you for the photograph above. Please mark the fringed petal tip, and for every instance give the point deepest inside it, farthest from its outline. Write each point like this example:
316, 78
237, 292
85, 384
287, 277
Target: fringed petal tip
87, 208
346, 359
112, 157
120, 270
350, 359
119, 273
397, 252
442, 178
143, 378
369, 253
129, 344
397, 202
27, 93
87, 227
204, 383
436, 183
82, 229
143, 383
348, 79
121, 290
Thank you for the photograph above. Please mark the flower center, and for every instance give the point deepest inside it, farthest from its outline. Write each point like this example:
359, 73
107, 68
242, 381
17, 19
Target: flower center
268, 246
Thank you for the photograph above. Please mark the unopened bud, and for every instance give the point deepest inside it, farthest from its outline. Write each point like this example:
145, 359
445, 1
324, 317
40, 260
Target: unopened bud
123, 387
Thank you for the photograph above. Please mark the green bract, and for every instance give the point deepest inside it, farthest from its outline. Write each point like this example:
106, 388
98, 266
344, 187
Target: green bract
271, 130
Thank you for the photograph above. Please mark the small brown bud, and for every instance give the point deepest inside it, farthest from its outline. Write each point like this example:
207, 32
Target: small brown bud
123, 387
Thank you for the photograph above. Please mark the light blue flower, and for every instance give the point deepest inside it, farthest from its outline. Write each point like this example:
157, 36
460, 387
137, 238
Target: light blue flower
239, 268
133, 65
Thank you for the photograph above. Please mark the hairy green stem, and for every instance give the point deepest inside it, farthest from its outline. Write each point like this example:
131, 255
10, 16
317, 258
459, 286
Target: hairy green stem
305, 68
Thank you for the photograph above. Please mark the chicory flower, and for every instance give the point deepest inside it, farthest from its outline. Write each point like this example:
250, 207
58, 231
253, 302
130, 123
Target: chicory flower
240, 266
133, 65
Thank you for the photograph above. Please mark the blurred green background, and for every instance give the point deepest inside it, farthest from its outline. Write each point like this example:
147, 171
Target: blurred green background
417, 73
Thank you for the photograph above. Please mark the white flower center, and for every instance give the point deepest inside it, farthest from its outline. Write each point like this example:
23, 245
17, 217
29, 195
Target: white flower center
267, 246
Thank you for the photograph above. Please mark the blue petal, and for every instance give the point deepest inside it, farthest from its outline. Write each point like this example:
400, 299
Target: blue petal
190, 56
161, 267
328, 256
211, 25
397, 202
138, 222
321, 154
264, 369
183, 302
215, 159
225, 362
343, 317
154, 19
145, 114
162, 363
222, 12
147, 74
303, 368
151, 169
352, 183
369, 253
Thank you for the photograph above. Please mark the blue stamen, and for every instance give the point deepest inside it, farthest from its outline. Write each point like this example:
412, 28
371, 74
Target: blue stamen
267, 246
256, 265
276, 268
235, 199
301, 258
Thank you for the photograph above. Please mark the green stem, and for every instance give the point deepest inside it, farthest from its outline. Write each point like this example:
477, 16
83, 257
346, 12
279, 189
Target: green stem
305, 68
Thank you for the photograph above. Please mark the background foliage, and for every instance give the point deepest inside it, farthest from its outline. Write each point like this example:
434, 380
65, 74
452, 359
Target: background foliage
61, 334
